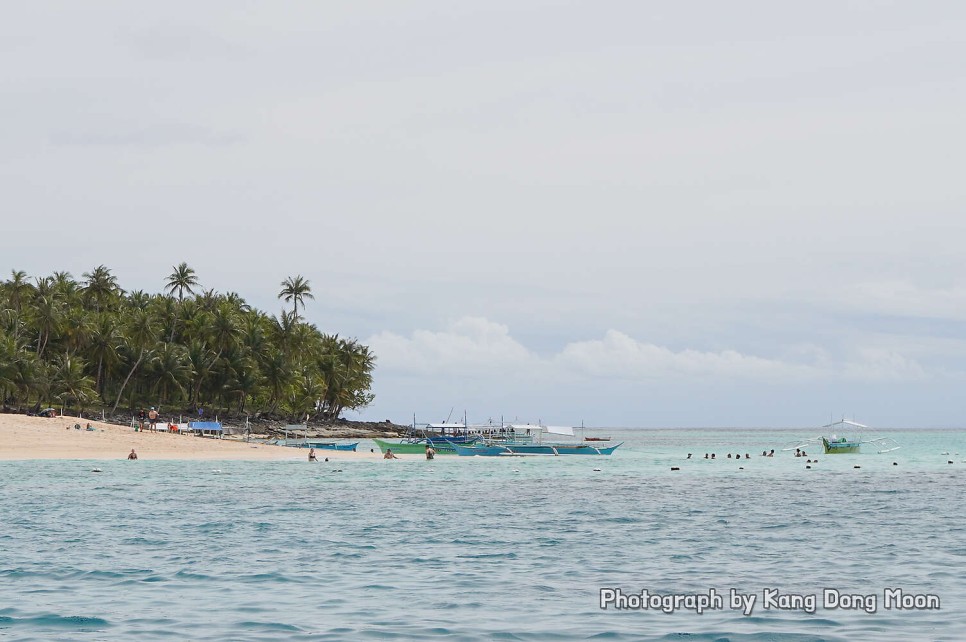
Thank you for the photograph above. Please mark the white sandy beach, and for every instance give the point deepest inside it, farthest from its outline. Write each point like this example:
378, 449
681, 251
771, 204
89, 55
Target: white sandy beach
23, 437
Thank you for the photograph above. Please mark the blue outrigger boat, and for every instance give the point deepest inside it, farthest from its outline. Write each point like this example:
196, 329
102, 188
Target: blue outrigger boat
330, 445
511, 449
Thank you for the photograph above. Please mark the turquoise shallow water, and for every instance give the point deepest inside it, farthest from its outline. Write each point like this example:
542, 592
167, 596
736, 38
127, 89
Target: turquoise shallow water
474, 548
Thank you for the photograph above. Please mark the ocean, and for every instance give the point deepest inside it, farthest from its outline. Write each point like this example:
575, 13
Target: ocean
496, 548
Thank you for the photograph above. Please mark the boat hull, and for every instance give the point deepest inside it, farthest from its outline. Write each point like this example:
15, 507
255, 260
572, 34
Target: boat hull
840, 447
414, 448
325, 445
509, 450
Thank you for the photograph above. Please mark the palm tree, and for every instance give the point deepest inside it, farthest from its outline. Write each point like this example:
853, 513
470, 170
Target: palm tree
296, 289
19, 290
100, 286
224, 330
141, 335
8, 368
69, 383
170, 370
182, 280
103, 346
47, 317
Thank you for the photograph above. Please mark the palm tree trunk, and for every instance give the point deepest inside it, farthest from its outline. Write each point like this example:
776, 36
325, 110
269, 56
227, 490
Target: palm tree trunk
128, 378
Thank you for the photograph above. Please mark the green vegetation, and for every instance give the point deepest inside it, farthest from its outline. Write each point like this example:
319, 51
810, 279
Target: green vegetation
91, 346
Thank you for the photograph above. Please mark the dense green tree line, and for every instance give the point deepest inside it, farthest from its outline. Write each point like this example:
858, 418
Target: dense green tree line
88, 344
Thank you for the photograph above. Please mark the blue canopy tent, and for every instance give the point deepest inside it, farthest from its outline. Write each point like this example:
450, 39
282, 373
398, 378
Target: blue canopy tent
210, 428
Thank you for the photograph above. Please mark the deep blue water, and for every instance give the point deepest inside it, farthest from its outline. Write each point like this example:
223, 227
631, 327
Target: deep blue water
484, 548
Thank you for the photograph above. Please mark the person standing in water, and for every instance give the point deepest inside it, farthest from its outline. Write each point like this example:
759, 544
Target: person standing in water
132, 455
430, 452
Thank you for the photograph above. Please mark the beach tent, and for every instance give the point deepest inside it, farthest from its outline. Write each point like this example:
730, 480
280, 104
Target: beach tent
212, 428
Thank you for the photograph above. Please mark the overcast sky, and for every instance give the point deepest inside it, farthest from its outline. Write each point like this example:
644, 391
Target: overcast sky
622, 213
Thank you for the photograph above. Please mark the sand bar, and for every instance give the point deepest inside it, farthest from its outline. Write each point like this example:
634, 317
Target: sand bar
23, 437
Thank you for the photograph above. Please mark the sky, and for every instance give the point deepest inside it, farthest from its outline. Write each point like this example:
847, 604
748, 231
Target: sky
616, 213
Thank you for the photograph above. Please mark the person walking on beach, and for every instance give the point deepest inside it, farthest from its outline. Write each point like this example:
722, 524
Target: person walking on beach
430, 452
132, 455
389, 454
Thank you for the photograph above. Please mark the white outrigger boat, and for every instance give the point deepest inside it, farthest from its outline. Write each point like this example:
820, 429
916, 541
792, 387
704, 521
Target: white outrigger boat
834, 444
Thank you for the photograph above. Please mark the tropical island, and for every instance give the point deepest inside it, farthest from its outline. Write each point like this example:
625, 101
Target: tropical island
90, 348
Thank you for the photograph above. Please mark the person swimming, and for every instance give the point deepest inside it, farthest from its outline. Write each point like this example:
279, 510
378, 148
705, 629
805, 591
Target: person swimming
389, 454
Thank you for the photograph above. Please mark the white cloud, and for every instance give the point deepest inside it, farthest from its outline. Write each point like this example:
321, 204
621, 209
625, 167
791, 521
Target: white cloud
621, 356
476, 345
902, 297
469, 345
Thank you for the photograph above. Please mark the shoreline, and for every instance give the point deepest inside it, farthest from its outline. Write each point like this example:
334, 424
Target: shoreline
24, 438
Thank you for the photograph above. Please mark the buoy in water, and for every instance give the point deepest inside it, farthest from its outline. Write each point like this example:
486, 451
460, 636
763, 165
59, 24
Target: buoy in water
675, 468
856, 466
950, 461
895, 463
808, 467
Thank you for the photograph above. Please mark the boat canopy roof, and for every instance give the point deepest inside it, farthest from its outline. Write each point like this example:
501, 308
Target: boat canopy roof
445, 425
560, 430
844, 422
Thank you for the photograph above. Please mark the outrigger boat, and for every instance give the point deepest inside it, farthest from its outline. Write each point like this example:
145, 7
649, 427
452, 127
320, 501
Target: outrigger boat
510, 449
835, 445
523, 440
437, 436
524, 450
330, 445
411, 446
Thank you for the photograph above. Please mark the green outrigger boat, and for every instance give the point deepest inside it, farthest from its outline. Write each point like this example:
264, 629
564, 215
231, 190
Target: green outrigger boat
835, 445
417, 446
840, 445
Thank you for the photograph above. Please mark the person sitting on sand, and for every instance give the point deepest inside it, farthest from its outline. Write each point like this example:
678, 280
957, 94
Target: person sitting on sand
389, 454
430, 452
132, 455
312, 454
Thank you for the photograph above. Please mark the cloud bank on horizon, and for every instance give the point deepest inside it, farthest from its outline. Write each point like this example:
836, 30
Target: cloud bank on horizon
632, 214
